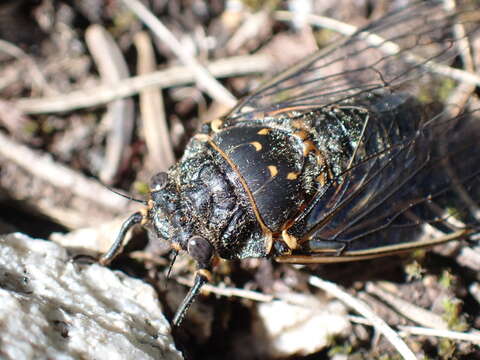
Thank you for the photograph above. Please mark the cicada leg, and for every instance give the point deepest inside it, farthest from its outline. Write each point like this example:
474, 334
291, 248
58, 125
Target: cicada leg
316, 250
317, 245
116, 247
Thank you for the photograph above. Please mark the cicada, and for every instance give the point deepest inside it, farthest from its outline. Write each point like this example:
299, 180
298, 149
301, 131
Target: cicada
340, 158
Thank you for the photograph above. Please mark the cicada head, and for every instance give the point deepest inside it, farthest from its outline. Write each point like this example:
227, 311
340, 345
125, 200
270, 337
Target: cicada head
167, 211
169, 214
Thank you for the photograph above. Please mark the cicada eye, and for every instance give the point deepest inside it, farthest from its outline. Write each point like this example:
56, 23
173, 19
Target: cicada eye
159, 181
200, 250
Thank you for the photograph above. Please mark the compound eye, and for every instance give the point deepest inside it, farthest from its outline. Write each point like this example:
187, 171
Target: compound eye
200, 250
158, 181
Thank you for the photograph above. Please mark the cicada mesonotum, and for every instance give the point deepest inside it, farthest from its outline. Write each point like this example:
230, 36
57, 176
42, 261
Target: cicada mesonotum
340, 158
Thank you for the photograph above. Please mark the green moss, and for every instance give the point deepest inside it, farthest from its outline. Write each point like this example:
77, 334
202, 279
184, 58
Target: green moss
122, 21
452, 315
419, 254
455, 213
340, 349
257, 5
30, 127
447, 280
324, 37
446, 349
445, 89
141, 187
414, 271
442, 91
281, 96
48, 127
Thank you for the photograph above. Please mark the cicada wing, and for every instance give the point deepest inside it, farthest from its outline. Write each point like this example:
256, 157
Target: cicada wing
370, 186
404, 45
387, 200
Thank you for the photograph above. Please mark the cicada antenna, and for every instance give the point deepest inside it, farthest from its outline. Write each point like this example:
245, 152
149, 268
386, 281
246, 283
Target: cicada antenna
126, 196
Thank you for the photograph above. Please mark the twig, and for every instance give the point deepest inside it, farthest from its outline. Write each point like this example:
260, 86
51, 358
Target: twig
35, 73
408, 310
406, 331
203, 77
45, 168
173, 76
363, 309
155, 129
229, 292
473, 337
249, 29
12, 119
469, 257
120, 114
148, 257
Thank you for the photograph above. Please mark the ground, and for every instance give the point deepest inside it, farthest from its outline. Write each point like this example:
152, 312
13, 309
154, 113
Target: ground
77, 115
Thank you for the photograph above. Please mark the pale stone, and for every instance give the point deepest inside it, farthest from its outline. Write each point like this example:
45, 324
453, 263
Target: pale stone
54, 308
302, 328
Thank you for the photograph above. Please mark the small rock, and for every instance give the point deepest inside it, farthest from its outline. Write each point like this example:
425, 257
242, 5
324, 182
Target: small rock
53, 308
289, 329
93, 241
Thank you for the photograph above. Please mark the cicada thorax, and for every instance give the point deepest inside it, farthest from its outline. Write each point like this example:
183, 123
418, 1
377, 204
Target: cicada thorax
204, 197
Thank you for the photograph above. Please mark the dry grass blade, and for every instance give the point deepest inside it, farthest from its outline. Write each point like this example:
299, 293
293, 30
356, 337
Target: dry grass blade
120, 114
363, 309
44, 167
204, 79
155, 129
173, 76
473, 337
45, 186
405, 331
410, 311
229, 292
36, 75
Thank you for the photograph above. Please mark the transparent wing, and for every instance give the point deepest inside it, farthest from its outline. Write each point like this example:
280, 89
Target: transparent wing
403, 51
